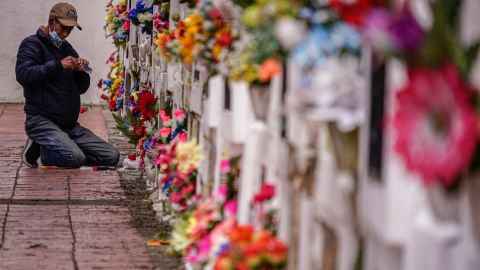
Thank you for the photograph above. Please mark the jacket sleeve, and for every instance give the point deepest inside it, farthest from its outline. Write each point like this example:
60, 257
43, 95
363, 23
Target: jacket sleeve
83, 81
29, 68
82, 78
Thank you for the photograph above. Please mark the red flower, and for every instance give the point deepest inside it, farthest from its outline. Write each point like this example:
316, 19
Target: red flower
215, 14
83, 109
104, 97
225, 39
139, 131
353, 11
266, 193
100, 84
112, 104
126, 25
435, 124
132, 156
146, 105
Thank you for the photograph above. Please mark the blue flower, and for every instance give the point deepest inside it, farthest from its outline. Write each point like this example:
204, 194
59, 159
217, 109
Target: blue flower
108, 82
347, 37
133, 14
140, 5
122, 36
324, 42
167, 185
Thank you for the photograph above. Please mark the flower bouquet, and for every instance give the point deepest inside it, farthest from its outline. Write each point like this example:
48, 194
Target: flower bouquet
205, 36
142, 16
117, 23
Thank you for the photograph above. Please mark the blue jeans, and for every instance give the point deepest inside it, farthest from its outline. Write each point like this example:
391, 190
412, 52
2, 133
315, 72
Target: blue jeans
71, 148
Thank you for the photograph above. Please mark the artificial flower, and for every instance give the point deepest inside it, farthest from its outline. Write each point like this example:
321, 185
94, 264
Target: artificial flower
165, 132
407, 34
267, 192
179, 115
188, 155
289, 32
353, 12
269, 69
435, 124
146, 105
225, 166
182, 137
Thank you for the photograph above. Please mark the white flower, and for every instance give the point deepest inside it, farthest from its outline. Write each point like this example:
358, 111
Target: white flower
144, 17
289, 32
334, 91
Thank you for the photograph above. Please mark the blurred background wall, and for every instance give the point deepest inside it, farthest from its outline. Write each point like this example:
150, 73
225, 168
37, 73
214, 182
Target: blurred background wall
21, 18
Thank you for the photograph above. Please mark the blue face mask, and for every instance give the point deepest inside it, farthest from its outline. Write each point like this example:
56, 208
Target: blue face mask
57, 40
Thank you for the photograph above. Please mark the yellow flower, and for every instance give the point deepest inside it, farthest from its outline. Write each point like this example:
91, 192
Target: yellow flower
188, 155
190, 39
116, 83
192, 223
216, 52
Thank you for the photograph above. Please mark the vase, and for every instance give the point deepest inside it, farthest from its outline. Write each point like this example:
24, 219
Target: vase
445, 205
260, 96
473, 193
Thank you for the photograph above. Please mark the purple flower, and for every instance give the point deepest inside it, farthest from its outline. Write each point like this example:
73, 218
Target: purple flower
406, 33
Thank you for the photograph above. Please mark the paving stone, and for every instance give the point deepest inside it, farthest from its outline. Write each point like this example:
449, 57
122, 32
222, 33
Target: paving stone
41, 188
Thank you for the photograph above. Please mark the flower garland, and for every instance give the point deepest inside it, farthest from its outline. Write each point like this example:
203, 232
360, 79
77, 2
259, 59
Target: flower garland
114, 86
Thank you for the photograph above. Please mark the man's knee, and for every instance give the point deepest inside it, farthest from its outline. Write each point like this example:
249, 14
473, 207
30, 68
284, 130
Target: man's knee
76, 160
112, 158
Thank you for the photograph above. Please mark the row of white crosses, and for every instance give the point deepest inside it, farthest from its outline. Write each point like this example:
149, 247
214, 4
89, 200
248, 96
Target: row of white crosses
323, 214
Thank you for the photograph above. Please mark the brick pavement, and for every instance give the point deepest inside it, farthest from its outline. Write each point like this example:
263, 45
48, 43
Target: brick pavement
62, 219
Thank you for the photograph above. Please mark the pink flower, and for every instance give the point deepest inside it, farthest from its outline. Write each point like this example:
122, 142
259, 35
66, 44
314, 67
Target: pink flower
436, 124
230, 208
164, 132
162, 113
179, 115
166, 120
225, 166
204, 246
222, 192
175, 197
182, 136
187, 191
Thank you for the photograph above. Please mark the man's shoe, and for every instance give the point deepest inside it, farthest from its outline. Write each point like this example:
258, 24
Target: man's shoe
31, 153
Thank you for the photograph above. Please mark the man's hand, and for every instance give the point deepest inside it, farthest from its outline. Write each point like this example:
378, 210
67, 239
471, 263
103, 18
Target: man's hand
81, 63
69, 63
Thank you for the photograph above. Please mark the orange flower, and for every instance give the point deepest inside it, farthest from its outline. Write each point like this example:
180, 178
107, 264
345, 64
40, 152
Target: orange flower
269, 69
241, 234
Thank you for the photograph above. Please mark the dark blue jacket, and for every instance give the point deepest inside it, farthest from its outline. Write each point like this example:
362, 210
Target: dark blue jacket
49, 90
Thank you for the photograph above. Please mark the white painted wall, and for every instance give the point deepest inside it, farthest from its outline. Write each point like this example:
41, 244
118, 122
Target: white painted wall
21, 18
